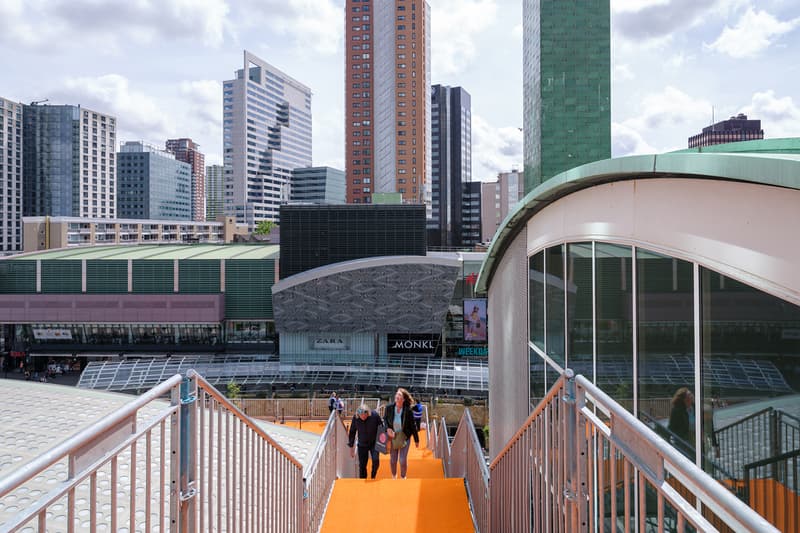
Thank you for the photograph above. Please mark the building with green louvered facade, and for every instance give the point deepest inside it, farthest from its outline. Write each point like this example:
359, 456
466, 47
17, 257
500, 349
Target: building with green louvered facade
107, 300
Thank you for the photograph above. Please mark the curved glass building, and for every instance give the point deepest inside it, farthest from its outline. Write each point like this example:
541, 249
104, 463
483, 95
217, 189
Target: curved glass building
651, 274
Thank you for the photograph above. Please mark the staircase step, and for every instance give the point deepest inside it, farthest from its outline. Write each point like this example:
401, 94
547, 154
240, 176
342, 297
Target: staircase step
408, 505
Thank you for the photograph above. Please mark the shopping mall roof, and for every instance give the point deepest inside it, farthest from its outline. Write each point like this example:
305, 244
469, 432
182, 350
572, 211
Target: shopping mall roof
157, 251
756, 163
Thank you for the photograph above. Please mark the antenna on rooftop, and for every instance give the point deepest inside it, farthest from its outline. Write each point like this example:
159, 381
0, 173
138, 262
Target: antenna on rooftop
36, 102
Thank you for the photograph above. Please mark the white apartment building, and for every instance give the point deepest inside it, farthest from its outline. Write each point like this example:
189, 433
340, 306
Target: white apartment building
10, 177
266, 134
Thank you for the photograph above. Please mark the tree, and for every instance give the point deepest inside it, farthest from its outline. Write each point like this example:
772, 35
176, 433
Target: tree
264, 227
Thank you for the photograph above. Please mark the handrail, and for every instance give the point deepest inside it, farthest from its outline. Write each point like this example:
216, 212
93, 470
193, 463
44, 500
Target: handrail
84, 437
467, 461
770, 460
721, 502
329, 461
745, 419
580, 451
225, 402
104, 445
552, 393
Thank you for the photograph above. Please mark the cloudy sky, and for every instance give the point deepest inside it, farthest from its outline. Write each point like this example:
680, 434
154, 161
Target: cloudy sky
158, 66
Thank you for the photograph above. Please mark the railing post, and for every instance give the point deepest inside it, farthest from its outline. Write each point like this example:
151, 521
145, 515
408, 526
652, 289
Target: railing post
573, 458
188, 455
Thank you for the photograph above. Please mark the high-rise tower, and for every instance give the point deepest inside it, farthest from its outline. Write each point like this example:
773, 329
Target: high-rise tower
387, 99
215, 190
566, 86
266, 134
451, 138
69, 166
10, 176
188, 151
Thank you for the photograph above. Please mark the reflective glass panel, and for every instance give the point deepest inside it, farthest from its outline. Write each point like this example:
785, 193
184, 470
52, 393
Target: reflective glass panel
665, 312
579, 308
750, 378
554, 301
614, 294
536, 302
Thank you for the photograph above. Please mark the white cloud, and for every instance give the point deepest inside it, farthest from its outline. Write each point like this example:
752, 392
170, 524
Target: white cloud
623, 72
669, 114
205, 100
621, 6
494, 149
627, 141
108, 26
138, 115
314, 26
516, 32
642, 21
670, 107
754, 32
780, 116
456, 25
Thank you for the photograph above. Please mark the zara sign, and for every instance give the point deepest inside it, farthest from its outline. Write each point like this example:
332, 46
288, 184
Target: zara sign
329, 343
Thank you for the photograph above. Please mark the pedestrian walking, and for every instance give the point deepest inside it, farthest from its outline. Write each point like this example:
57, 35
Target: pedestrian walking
365, 425
400, 421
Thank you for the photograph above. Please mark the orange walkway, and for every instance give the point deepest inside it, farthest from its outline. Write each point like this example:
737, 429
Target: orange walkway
425, 502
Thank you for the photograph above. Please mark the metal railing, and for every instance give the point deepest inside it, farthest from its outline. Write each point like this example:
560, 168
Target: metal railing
244, 479
298, 408
329, 461
469, 376
773, 487
581, 462
761, 435
441, 448
99, 464
467, 461
195, 463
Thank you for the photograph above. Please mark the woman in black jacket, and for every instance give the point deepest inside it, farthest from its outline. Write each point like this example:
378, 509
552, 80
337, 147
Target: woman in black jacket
400, 421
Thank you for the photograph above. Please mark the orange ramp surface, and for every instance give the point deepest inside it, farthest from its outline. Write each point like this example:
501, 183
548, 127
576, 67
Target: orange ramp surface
424, 502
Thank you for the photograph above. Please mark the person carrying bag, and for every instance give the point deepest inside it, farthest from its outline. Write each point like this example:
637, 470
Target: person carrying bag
366, 424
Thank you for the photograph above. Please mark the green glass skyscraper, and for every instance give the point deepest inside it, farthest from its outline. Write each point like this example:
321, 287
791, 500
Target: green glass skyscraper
566, 85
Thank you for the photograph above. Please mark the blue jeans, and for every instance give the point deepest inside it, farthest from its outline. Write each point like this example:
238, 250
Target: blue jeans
363, 456
402, 455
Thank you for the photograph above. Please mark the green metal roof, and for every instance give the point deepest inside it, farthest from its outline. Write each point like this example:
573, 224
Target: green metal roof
777, 169
156, 251
788, 145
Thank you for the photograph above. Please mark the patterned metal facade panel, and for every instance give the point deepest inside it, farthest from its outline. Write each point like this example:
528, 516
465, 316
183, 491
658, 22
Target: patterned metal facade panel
248, 288
17, 277
401, 298
199, 276
153, 276
106, 276
61, 277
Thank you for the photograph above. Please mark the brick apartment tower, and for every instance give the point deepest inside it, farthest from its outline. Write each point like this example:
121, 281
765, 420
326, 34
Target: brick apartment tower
387, 100
188, 151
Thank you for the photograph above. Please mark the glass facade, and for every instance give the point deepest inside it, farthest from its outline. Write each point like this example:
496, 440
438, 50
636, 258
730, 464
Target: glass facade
566, 86
153, 184
451, 138
708, 362
119, 337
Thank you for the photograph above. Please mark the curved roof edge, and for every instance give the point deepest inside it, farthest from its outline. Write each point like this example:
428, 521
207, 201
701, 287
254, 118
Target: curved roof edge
781, 170
358, 264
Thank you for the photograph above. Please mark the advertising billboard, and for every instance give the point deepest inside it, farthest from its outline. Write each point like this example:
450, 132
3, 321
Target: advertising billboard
475, 320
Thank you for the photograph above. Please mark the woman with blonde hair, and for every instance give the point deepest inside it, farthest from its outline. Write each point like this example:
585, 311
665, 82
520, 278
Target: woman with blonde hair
400, 421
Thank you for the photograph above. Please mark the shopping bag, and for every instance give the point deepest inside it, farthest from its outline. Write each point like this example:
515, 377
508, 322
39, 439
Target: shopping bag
382, 441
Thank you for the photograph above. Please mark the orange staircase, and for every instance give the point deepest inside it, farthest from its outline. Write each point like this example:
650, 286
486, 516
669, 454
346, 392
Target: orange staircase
425, 501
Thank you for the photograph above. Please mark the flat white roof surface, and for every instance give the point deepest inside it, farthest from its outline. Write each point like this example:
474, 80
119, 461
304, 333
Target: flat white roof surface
38, 416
